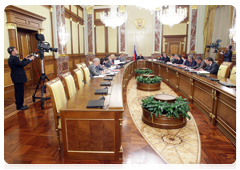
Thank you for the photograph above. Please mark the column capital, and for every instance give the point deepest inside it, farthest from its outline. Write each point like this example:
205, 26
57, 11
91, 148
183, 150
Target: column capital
89, 10
11, 26
194, 6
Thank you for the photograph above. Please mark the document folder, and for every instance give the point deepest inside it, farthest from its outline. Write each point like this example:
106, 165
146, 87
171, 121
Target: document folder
95, 104
105, 83
101, 91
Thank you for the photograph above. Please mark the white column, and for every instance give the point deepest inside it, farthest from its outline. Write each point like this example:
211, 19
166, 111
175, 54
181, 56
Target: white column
189, 28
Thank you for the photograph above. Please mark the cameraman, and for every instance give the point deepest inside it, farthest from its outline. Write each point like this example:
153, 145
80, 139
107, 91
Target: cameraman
228, 54
18, 75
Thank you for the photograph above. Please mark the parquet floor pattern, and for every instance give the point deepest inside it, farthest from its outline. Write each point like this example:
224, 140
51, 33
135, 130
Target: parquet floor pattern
30, 138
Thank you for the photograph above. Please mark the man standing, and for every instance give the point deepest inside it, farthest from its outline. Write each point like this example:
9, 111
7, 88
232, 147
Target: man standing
200, 63
18, 75
190, 61
228, 54
211, 67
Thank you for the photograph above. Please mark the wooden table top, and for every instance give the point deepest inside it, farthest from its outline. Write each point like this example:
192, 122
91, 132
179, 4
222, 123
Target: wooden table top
113, 99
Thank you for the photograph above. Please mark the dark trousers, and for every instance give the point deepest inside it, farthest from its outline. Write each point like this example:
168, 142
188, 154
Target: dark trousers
19, 94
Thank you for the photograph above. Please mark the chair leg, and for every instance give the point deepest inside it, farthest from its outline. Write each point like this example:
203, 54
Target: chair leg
58, 136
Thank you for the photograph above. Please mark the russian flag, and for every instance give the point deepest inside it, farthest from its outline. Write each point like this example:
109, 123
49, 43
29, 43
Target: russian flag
135, 50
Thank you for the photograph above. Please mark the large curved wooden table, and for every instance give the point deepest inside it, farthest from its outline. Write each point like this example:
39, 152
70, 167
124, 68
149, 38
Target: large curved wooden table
96, 133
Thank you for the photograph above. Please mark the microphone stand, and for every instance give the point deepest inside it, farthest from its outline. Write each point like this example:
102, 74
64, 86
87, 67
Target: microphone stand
102, 98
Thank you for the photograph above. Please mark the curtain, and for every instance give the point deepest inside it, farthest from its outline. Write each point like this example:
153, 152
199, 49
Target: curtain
208, 27
221, 27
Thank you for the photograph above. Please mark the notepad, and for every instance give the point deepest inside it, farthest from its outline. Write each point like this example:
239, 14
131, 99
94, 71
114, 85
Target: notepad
101, 91
105, 83
203, 72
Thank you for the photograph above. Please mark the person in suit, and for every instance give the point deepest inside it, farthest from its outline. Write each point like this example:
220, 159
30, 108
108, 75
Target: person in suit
200, 63
178, 59
122, 59
140, 57
190, 61
173, 57
211, 67
184, 59
161, 56
18, 75
228, 54
112, 59
93, 68
165, 58
118, 57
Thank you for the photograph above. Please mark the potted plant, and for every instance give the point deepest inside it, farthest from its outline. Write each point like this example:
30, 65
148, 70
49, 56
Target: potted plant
148, 83
138, 72
165, 115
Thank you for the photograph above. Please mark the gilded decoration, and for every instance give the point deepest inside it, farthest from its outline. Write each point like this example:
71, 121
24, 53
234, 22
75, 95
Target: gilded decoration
139, 23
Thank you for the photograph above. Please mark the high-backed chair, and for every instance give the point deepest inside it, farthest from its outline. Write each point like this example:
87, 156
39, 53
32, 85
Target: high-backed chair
224, 69
86, 74
90, 62
233, 76
58, 98
83, 64
69, 84
79, 77
79, 66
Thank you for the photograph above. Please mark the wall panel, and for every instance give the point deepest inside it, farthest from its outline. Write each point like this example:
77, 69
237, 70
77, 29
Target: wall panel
112, 40
100, 39
75, 37
178, 29
74, 9
68, 30
81, 38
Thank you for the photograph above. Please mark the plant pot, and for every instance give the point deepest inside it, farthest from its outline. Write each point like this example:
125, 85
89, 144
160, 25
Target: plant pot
148, 87
148, 75
163, 122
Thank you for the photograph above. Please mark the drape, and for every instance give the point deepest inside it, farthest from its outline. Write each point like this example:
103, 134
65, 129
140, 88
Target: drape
221, 27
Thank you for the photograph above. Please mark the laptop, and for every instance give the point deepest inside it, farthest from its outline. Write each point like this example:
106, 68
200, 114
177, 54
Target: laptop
101, 91
95, 104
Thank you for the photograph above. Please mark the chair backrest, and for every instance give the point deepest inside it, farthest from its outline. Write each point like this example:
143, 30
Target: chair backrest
83, 64
149, 59
58, 97
224, 69
70, 84
90, 62
86, 74
79, 77
233, 76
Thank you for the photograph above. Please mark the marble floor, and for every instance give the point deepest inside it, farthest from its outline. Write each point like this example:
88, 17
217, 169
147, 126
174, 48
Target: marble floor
176, 146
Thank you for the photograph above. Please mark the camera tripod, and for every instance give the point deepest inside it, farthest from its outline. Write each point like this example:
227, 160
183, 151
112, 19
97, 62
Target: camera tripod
42, 83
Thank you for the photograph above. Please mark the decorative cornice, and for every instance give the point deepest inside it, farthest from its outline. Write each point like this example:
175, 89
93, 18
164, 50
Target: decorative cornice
122, 8
156, 52
90, 52
194, 6
11, 26
191, 52
62, 55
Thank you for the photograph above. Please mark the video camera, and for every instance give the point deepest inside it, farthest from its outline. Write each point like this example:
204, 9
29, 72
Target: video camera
215, 45
43, 46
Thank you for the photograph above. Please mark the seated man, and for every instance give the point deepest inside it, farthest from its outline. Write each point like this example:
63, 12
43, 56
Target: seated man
173, 57
161, 56
106, 63
122, 59
211, 67
178, 59
140, 57
190, 61
165, 58
118, 56
93, 69
200, 63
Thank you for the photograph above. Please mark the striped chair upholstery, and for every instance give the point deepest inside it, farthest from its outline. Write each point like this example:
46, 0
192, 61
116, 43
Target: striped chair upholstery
70, 84
79, 77
233, 76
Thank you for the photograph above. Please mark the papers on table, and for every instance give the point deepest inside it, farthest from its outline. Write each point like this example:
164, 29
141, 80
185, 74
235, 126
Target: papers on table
100, 76
203, 72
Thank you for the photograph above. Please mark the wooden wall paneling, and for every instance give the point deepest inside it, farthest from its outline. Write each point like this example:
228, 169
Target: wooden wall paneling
184, 85
13, 38
173, 79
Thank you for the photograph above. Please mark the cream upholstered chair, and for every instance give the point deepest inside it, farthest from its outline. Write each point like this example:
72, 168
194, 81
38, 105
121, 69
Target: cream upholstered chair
79, 77
233, 76
79, 66
58, 99
83, 64
149, 59
69, 84
90, 62
86, 74
224, 69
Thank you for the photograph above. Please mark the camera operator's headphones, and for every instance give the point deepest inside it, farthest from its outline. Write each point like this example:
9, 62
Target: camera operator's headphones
10, 49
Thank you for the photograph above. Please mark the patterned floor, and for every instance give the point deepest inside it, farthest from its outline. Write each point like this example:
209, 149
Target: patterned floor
178, 146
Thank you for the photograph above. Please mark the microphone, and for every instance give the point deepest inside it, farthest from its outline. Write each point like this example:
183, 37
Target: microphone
100, 82
102, 98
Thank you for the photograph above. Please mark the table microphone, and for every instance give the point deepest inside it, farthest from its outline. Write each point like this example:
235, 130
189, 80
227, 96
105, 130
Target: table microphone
102, 98
100, 82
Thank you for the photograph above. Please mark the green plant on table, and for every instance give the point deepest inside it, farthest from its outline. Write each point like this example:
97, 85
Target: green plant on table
180, 106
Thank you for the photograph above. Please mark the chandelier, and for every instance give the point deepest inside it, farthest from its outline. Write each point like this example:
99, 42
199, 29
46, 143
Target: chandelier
151, 7
232, 34
171, 16
114, 18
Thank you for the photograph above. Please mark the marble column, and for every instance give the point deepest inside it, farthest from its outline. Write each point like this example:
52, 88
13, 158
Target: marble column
62, 60
122, 8
193, 29
157, 36
90, 54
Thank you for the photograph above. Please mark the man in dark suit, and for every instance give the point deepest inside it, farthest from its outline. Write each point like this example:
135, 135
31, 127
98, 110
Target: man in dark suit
93, 68
228, 54
160, 57
18, 75
178, 59
140, 57
165, 58
107, 64
211, 67
200, 63
190, 61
